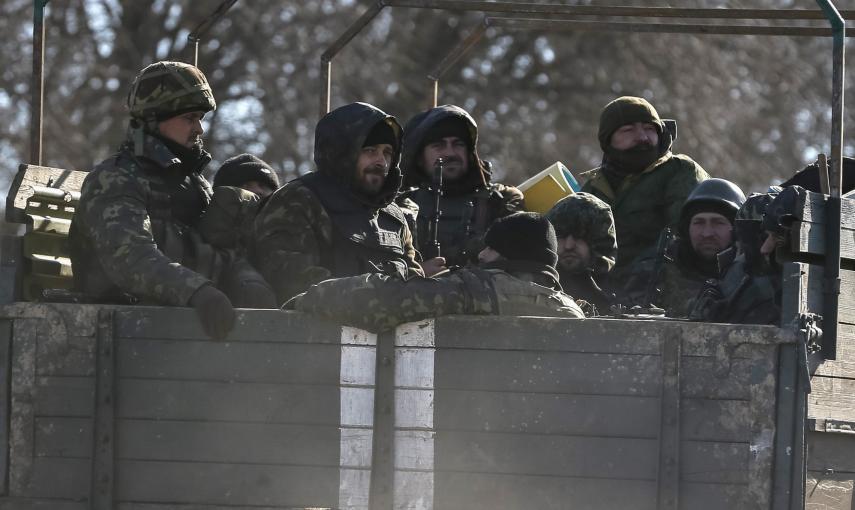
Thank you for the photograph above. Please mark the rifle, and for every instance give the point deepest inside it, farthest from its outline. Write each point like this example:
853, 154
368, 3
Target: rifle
651, 293
436, 189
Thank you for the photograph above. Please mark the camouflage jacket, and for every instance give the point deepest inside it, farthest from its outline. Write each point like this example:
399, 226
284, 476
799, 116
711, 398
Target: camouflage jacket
379, 302
464, 219
228, 220
679, 283
739, 298
134, 231
647, 202
318, 226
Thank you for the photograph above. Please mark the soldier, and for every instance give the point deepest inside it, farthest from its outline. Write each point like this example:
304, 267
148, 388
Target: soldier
241, 187
586, 247
515, 276
672, 277
341, 219
134, 235
248, 172
469, 203
640, 178
746, 293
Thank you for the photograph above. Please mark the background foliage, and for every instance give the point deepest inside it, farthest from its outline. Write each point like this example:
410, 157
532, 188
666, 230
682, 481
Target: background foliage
750, 109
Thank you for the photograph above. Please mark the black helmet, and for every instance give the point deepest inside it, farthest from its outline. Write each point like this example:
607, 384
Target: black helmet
717, 195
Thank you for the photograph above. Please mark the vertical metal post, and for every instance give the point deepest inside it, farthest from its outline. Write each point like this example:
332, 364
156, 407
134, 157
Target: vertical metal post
832, 211
435, 93
37, 87
196, 53
382, 490
326, 83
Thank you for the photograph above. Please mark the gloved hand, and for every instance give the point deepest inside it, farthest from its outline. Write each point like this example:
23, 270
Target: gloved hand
214, 310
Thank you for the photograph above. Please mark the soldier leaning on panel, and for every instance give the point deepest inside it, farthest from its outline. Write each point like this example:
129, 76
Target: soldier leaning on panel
515, 276
470, 201
672, 274
587, 248
640, 178
134, 234
341, 219
242, 185
749, 291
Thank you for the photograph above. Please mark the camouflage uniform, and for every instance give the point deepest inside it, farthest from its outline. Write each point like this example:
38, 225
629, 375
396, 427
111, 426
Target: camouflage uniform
135, 233
379, 302
586, 217
643, 203
468, 206
316, 227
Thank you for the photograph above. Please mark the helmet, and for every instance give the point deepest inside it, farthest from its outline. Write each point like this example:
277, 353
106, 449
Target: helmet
725, 198
166, 89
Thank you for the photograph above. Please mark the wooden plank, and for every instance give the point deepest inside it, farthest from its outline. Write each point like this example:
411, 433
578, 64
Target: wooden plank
250, 325
832, 399
761, 415
836, 368
829, 491
592, 374
228, 443
809, 238
240, 485
5, 395
609, 336
702, 496
102, 491
230, 362
65, 396
830, 451
589, 457
478, 491
213, 401
22, 409
75, 358
41, 504
59, 478
175, 506
586, 415
63, 437
810, 292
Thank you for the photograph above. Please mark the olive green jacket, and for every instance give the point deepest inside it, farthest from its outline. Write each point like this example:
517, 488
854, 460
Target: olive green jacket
647, 202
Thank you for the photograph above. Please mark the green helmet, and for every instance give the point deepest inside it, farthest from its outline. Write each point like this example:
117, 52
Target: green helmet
166, 89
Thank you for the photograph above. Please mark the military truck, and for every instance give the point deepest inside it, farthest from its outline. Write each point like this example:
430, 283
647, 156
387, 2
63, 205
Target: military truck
132, 407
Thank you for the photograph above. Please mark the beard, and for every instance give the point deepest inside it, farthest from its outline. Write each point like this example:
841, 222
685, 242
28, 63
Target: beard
633, 160
371, 180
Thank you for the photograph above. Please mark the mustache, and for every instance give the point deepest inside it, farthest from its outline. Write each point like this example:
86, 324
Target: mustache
451, 159
377, 170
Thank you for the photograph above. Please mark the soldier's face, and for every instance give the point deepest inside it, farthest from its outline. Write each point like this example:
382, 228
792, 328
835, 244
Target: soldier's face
573, 254
372, 167
710, 233
633, 135
259, 189
455, 157
185, 129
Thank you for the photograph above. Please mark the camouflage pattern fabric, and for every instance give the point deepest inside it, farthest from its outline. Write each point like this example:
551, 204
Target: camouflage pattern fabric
164, 89
125, 237
294, 232
228, 220
379, 302
739, 298
586, 217
647, 202
680, 282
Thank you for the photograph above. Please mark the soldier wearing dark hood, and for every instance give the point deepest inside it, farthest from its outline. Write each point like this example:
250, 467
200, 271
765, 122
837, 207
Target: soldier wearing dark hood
134, 236
515, 276
341, 219
640, 178
470, 201
749, 291
699, 252
587, 247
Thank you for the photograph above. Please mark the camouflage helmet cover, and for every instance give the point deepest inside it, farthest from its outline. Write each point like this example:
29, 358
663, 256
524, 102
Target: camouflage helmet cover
586, 217
166, 89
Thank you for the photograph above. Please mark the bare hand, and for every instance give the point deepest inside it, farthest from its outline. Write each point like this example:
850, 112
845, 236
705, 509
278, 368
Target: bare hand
433, 266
